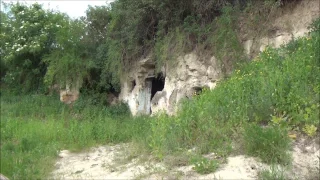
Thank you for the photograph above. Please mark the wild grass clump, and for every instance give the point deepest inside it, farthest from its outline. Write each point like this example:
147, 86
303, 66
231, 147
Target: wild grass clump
274, 173
271, 144
203, 165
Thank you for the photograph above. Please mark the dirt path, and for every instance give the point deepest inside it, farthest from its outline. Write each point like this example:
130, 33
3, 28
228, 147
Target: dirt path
108, 162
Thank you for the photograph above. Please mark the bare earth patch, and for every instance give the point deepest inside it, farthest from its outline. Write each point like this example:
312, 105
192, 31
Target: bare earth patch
110, 162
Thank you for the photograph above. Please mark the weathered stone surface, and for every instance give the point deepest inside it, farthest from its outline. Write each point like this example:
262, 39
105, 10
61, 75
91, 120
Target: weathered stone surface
192, 71
293, 23
158, 101
134, 83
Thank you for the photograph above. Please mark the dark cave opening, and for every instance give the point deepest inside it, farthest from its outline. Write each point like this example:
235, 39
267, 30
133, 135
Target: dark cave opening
133, 85
157, 84
197, 90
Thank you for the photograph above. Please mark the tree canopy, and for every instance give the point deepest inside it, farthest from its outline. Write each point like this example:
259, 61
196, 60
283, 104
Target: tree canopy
42, 47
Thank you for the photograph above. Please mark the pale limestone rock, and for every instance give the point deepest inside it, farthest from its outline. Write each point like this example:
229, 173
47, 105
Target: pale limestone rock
139, 73
158, 101
247, 45
191, 72
293, 23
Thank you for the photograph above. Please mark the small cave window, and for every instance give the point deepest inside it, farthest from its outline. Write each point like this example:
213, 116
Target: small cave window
197, 90
133, 84
157, 84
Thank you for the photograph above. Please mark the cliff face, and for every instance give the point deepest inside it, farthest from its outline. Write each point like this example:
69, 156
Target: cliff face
292, 22
147, 92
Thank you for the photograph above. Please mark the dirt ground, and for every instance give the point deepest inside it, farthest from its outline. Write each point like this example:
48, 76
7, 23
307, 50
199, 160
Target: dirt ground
111, 162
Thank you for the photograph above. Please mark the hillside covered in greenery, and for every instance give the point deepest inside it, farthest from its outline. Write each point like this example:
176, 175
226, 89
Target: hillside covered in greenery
253, 111
44, 47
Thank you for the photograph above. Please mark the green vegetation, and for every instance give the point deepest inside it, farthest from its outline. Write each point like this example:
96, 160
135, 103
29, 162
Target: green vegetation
279, 89
35, 127
27, 34
270, 144
275, 91
252, 109
42, 48
203, 165
273, 173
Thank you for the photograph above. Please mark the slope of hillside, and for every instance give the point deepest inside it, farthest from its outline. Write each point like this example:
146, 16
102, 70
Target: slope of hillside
266, 109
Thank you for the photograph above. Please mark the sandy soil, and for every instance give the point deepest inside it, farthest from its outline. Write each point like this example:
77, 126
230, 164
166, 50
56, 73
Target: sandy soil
108, 162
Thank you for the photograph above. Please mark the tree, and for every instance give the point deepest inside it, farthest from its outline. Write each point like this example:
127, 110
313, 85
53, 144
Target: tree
69, 62
28, 33
3, 68
97, 21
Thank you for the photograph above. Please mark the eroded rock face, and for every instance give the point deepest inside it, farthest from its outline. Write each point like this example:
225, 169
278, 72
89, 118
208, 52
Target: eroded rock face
292, 23
134, 84
193, 72
190, 74
159, 101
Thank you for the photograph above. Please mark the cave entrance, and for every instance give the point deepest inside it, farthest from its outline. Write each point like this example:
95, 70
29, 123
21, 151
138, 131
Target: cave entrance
153, 84
157, 84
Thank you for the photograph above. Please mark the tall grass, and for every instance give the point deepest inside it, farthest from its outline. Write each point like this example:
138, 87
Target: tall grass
271, 144
35, 127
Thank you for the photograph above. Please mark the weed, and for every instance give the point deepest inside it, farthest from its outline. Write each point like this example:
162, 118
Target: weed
310, 130
274, 173
203, 165
177, 159
271, 144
